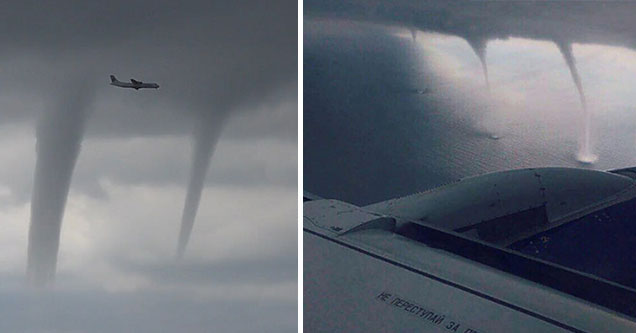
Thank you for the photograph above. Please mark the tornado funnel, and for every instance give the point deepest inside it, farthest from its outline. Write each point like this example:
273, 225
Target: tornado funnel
204, 141
59, 134
585, 154
479, 47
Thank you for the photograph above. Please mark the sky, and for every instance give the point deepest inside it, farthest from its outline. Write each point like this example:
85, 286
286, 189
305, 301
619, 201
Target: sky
228, 81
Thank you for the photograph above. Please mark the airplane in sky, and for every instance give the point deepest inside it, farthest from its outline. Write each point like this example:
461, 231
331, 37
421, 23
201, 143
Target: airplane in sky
133, 84
529, 250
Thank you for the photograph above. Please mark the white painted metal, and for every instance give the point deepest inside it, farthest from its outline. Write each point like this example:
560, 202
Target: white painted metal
370, 279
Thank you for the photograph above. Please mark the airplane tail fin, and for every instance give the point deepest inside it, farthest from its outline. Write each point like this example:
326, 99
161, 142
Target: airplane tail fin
113, 78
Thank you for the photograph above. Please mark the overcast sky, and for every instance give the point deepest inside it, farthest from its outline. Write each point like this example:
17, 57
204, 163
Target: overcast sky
233, 62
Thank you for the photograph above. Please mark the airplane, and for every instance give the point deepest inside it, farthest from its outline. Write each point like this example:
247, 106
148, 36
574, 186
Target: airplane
527, 250
133, 84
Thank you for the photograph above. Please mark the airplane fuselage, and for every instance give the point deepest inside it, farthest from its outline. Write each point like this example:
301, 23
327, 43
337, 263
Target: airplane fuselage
135, 85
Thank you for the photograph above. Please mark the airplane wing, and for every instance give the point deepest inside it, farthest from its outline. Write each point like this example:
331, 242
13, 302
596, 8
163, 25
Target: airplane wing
135, 81
392, 256
308, 196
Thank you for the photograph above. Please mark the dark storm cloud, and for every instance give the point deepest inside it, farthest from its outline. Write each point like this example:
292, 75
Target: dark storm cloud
207, 56
572, 21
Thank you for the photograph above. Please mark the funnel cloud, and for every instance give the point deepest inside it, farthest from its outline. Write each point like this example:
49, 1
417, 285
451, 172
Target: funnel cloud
59, 138
479, 47
206, 135
584, 154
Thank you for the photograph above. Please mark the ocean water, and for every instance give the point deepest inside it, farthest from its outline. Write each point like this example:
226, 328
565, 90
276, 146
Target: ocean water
386, 115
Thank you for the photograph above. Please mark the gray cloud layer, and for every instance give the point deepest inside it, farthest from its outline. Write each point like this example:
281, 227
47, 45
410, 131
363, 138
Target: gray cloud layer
207, 56
232, 62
